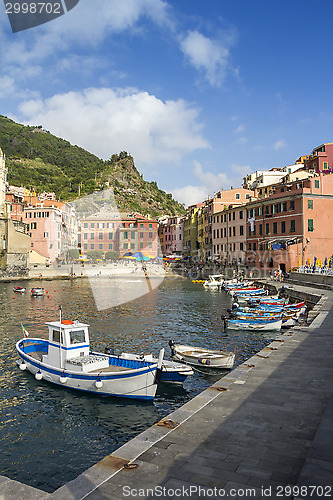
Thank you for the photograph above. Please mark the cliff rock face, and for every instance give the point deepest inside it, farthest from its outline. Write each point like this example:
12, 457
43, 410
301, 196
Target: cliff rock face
41, 161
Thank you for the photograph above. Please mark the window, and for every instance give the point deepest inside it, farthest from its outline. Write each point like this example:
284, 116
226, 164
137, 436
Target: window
46, 235
150, 235
241, 214
267, 209
217, 233
283, 227
132, 235
141, 245
229, 215
267, 228
150, 245
254, 247
141, 225
92, 225
229, 231
292, 205
249, 246
141, 235
85, 236
247, 196
225, 217
284, 206
85, 246
150, 226
125, 246
317, 184
274, 227
92, 236
310, 204
214, 234
241, 246
92, 246
132, 246
56, 336
237, 196
100, 236
77, 337
310, 224
110, 236
125, 235
241, 230
325, 165
260, 229
234, 231
292, 226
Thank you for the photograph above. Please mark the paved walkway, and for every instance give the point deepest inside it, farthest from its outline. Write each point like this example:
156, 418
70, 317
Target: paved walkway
263, 427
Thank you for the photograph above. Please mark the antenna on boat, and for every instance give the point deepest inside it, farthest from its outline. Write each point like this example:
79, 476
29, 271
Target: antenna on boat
60, 311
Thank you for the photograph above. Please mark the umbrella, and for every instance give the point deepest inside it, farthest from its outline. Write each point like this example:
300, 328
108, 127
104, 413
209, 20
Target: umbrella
128, 254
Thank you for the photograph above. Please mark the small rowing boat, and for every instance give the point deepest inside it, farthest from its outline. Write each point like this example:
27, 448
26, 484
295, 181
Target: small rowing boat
197, 356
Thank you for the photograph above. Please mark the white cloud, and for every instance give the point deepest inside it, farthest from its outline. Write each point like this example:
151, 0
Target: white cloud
105, 121
210, 183
240, 129
242, 170
207, 55
190, 195
280, 144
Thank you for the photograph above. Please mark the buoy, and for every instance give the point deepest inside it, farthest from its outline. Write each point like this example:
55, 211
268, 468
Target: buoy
63, 379
99, 383
39, 375
14, 297
23, 366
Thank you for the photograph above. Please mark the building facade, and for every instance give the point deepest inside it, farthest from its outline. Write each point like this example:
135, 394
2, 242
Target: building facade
121, 233
291, 226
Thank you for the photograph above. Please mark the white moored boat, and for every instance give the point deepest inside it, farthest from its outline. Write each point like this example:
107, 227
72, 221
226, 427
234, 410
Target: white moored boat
171, 371
197, 356
65, 359
214, 281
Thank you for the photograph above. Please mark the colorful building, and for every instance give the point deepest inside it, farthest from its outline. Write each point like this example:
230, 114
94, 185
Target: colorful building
121, 233
292, 225
321, 158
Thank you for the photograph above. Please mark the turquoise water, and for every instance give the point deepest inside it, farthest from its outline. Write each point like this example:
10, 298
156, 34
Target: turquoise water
49, 435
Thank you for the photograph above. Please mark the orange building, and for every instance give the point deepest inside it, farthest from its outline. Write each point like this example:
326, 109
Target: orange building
292, 226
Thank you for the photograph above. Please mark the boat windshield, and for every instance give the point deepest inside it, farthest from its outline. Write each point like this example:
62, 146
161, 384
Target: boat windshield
77, 337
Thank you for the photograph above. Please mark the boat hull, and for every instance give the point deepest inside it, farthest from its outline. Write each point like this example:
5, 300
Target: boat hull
234, 324
171, 371
128, 383
201, 358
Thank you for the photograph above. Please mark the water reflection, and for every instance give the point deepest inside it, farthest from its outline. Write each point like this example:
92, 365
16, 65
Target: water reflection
49, 435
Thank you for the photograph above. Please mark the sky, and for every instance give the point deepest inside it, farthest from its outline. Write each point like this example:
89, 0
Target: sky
200, 93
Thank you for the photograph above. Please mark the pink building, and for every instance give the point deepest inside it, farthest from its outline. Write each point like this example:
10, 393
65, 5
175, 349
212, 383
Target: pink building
229, 235
121, 233
171, 233
221, 201
293, 225
321, 159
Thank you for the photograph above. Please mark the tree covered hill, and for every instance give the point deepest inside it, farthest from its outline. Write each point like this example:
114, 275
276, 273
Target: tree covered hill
39, 160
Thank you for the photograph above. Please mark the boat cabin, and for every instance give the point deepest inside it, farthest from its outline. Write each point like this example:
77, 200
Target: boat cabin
69, 347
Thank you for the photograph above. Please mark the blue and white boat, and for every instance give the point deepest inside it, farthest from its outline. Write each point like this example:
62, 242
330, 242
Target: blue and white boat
273, 324
65, 359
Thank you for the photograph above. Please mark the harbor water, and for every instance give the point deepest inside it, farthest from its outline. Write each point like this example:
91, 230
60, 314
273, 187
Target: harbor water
50, 434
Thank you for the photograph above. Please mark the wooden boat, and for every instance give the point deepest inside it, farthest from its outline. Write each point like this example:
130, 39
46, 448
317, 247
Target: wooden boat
171, 371
247, 324
197, 356
36, 292
19, 289
65, 359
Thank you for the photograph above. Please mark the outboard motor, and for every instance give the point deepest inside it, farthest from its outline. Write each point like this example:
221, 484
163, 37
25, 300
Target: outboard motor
109, 351
171, 344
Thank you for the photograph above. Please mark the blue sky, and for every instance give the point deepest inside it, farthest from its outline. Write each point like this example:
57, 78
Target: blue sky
200, 93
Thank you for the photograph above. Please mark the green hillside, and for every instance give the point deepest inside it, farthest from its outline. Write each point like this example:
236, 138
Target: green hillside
39, 160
